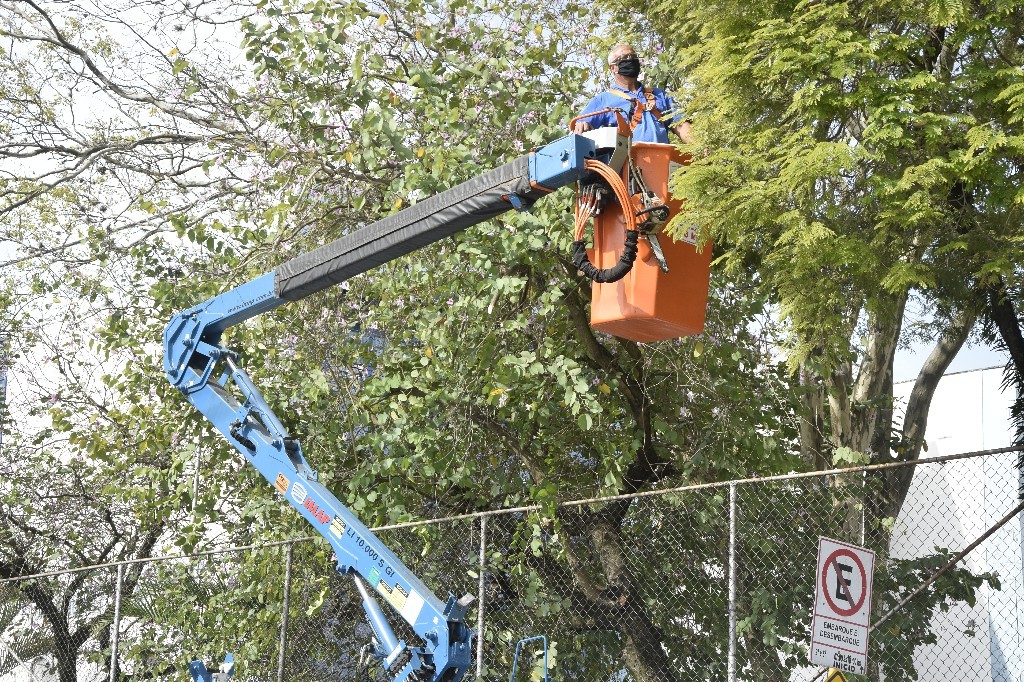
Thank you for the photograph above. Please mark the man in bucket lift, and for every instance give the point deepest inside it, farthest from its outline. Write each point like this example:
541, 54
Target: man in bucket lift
646, 109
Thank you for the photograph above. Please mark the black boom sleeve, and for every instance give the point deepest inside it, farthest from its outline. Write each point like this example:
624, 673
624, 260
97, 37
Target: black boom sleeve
425, 222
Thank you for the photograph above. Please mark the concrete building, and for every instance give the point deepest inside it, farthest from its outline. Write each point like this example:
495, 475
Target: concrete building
951, 505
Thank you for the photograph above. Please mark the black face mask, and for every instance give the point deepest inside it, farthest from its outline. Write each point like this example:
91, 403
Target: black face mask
629, 67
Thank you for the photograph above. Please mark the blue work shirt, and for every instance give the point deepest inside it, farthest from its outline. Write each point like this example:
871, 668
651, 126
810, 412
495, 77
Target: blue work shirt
649, 129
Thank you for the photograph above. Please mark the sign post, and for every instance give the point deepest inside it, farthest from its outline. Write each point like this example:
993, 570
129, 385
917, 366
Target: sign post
842, 606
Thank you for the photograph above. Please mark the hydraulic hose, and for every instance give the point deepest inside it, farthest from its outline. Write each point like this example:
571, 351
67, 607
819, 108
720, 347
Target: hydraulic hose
585, 207
614, 273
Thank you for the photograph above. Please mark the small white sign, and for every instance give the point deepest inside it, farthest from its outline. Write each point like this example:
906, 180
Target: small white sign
842, 606
298, 493
690, 236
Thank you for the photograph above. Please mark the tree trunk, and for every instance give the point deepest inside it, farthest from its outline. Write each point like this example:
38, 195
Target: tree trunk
644, 653
67, 657
887, 489
1003, 314
812, 422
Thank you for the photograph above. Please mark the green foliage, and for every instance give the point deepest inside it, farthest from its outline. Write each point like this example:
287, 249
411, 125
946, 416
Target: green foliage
464, 377
895, 640
471, 343
853, 152
851, 157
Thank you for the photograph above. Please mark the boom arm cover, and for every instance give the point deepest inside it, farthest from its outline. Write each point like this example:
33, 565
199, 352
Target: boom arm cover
462, 206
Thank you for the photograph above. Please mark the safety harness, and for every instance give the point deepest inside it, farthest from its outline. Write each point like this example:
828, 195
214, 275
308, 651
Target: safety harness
636, 112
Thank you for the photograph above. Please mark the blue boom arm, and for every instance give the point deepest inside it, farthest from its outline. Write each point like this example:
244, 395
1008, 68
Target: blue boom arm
211, 379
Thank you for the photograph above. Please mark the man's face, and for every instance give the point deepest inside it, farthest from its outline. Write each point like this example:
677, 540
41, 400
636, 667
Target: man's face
622, 52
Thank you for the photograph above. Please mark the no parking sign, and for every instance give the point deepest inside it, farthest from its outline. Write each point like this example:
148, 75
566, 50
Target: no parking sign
842, 606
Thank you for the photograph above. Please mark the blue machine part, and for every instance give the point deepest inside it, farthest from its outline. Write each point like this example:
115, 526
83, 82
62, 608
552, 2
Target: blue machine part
389, 646
199, 673
561, 162
236, 408
193, 356
191, 338
515, 659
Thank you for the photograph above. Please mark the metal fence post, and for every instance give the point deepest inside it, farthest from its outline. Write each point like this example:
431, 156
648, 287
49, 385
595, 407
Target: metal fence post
284, 611
732, 582
116, 635
480, 599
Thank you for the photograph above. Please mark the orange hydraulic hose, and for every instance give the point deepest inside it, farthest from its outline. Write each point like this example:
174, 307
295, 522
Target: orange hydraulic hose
586, 206
621, 193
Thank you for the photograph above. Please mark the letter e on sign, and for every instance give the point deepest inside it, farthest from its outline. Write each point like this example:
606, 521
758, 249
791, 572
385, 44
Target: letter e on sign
844, 582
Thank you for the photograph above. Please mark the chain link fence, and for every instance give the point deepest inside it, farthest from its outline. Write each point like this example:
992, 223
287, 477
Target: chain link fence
712, 582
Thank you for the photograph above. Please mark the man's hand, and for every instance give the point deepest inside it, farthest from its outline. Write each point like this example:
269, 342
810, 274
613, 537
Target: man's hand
684, 133
582, 127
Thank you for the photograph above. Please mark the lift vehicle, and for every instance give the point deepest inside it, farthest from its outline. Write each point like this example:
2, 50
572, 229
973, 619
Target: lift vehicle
612, 187
224, 672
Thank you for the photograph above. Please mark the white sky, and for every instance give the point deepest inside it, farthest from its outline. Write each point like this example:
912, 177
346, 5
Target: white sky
908, 362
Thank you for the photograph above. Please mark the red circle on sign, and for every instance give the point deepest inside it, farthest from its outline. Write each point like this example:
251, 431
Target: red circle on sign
830, 562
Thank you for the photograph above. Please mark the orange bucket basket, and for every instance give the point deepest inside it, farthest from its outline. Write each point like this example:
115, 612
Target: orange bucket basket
649, 304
